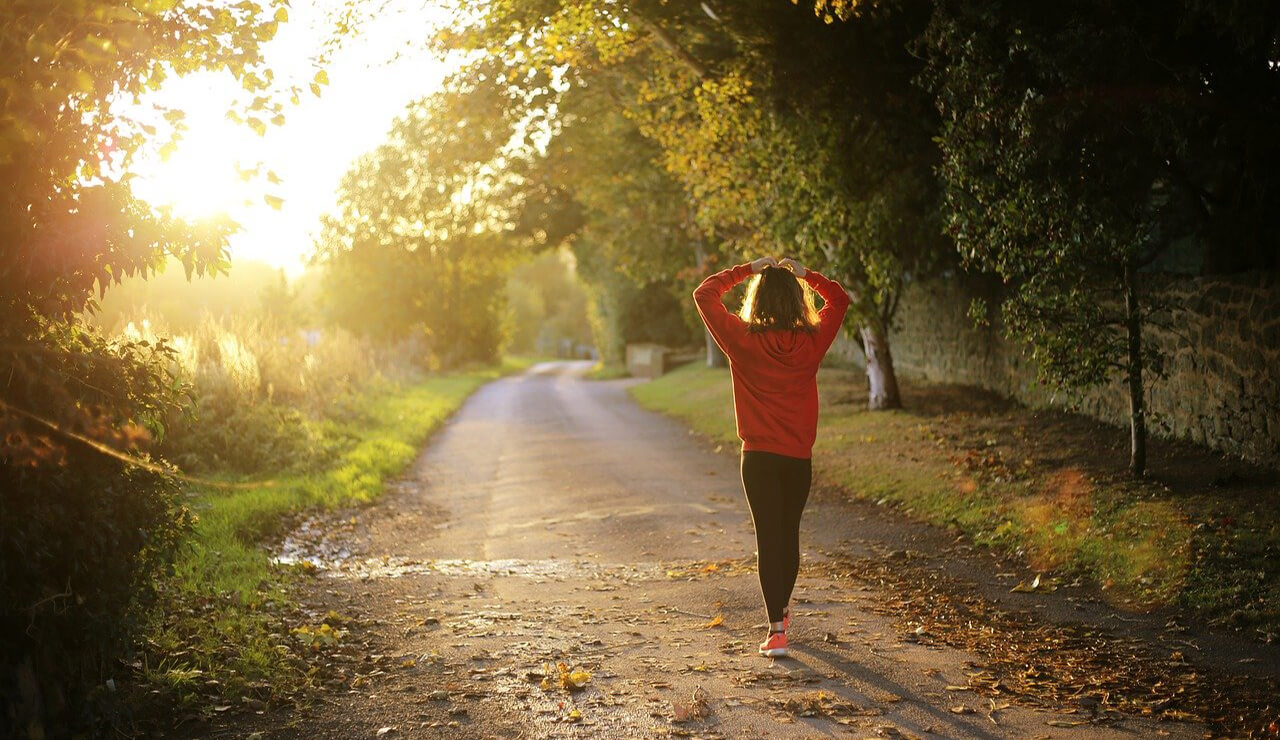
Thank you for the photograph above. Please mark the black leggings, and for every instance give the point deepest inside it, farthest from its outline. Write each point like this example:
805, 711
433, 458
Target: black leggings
777, 487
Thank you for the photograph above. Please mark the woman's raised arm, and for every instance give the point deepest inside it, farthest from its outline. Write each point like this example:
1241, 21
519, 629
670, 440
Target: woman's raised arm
725, 327
835, 305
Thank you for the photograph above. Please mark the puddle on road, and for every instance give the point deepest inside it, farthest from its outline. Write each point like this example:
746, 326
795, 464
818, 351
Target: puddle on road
335, 561
317, 542
323, 545
545, 569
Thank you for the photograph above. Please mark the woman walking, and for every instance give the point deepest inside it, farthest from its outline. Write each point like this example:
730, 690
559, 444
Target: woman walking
774, 346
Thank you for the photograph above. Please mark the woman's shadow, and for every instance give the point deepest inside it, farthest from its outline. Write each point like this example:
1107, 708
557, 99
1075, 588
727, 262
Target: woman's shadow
942, 723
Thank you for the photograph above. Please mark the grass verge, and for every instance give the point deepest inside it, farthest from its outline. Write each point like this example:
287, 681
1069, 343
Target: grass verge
230, 636
1047, 487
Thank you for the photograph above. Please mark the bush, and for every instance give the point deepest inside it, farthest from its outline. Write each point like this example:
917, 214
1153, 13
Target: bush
83, 532
82, 546
264, 396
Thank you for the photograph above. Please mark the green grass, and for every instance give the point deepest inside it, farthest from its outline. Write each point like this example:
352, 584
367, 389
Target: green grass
228, 608
1142, 544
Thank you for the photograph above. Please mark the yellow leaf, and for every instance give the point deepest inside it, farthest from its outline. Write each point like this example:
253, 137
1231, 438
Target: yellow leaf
83, 82
274, 201
1024, 587
717, 621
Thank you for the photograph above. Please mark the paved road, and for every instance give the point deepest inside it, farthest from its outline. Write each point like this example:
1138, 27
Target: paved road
551, 520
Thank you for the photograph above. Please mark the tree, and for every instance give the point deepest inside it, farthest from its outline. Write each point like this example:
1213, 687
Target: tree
423, 230
632, 230
86, 521
1080, 141
809, 138
786, 134
547, 304
71, 226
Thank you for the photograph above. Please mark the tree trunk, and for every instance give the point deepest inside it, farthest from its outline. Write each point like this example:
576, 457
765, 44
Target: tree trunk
1137, 404
715, 358
881, 379
452, 351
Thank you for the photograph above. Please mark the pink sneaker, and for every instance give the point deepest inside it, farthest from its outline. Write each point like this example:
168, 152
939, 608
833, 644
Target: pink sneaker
775, 646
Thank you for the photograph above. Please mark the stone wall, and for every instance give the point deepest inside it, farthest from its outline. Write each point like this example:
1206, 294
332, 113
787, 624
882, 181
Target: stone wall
1222, 381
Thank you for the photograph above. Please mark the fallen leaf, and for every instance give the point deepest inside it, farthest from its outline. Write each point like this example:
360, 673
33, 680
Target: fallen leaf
696, 708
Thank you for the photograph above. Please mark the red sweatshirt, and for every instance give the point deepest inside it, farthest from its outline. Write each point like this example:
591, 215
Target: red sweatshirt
775, 373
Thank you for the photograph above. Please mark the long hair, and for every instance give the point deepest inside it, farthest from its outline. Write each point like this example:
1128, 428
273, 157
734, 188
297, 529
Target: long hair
776, 300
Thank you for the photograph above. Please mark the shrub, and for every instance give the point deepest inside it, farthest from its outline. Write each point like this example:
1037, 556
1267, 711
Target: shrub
83, 531
264, 395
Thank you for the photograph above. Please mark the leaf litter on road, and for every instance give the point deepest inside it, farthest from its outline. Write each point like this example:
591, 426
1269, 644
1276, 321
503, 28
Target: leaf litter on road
1061, 667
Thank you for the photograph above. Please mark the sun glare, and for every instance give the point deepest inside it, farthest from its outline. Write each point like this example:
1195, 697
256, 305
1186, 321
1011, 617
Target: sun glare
202, 177
317, 142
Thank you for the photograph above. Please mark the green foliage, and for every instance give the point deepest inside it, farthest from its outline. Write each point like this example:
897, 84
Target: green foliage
71, 222
75, 521
626, 219
775, 132
264, 396
623, 312
632, 217
1054, 198
82, 548
1080, 141
833, 167
84, 533
421, 239
547, 305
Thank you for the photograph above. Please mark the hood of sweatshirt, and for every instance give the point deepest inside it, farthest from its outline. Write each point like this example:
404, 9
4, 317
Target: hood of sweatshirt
792, 349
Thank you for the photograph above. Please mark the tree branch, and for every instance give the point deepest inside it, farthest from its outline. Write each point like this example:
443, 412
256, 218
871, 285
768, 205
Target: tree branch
666, 42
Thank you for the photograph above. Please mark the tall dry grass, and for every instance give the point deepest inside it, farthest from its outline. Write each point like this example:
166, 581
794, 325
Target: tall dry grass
262, 395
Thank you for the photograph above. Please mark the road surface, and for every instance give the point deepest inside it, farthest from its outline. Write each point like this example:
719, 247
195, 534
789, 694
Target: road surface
553, 520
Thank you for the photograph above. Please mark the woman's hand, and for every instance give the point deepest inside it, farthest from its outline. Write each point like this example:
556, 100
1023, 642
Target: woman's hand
794, 266
762, 263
